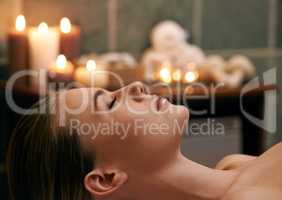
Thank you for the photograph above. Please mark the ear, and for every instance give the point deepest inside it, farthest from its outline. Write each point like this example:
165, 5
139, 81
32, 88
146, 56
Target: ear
102, 183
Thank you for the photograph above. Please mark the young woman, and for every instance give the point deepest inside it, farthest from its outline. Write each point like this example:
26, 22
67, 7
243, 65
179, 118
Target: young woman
125, 145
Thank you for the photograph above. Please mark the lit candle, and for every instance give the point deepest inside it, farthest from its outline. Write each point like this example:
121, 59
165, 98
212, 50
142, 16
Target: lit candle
61, 70
69, 39
62, 66
165, 75
92, 74
20, 23
44, 44
191, 76
44, 47
165, 72
18, 46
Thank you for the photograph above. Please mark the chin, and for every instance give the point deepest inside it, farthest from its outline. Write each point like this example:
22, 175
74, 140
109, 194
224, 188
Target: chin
183, 116
182, 112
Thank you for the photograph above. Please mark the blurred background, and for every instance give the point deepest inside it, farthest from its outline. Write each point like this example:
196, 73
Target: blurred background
226, 27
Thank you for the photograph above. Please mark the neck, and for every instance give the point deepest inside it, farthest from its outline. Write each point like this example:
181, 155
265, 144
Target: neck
184, 179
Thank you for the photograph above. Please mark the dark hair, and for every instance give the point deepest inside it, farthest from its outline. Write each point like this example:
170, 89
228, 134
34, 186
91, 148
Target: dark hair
46, 162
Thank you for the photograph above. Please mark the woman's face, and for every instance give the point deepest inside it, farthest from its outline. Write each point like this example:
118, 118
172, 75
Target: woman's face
125, 128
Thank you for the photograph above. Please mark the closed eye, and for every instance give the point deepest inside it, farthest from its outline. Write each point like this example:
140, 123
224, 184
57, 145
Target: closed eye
111, 105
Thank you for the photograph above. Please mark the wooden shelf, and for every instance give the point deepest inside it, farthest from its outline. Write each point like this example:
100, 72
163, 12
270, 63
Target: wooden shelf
174, 90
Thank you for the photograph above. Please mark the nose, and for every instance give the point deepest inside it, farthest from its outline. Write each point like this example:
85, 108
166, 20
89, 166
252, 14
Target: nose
135, 91
137, 88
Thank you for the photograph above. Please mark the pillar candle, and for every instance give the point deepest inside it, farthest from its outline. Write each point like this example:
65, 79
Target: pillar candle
18, 46
69, 39
44, 47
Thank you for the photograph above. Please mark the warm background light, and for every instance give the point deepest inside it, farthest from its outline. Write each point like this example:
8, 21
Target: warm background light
43, 28
65, 25
165, 75
87, 75
61, 61
91, 65
62, 66
20, 23
191, 77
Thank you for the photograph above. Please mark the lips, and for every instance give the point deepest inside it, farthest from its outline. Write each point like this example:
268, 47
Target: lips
161, 103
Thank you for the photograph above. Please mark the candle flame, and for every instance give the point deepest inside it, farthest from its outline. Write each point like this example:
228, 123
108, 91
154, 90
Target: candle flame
165, 75
191, 76
43, 28
91, 65
177, 75
20, 23
65, 25
61, 62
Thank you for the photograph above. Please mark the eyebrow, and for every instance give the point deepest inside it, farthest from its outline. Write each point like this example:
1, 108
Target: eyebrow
96, 95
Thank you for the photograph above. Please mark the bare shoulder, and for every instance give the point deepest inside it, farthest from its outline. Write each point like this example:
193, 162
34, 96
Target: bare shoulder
234, 161
261, 180
253, 193
238, 160
275, 149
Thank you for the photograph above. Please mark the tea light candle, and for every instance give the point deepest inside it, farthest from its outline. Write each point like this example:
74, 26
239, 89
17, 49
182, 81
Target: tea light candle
69, 39
165, 72
18, 46
44, 46
61, 70
191, 76
165, 75
92, 75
